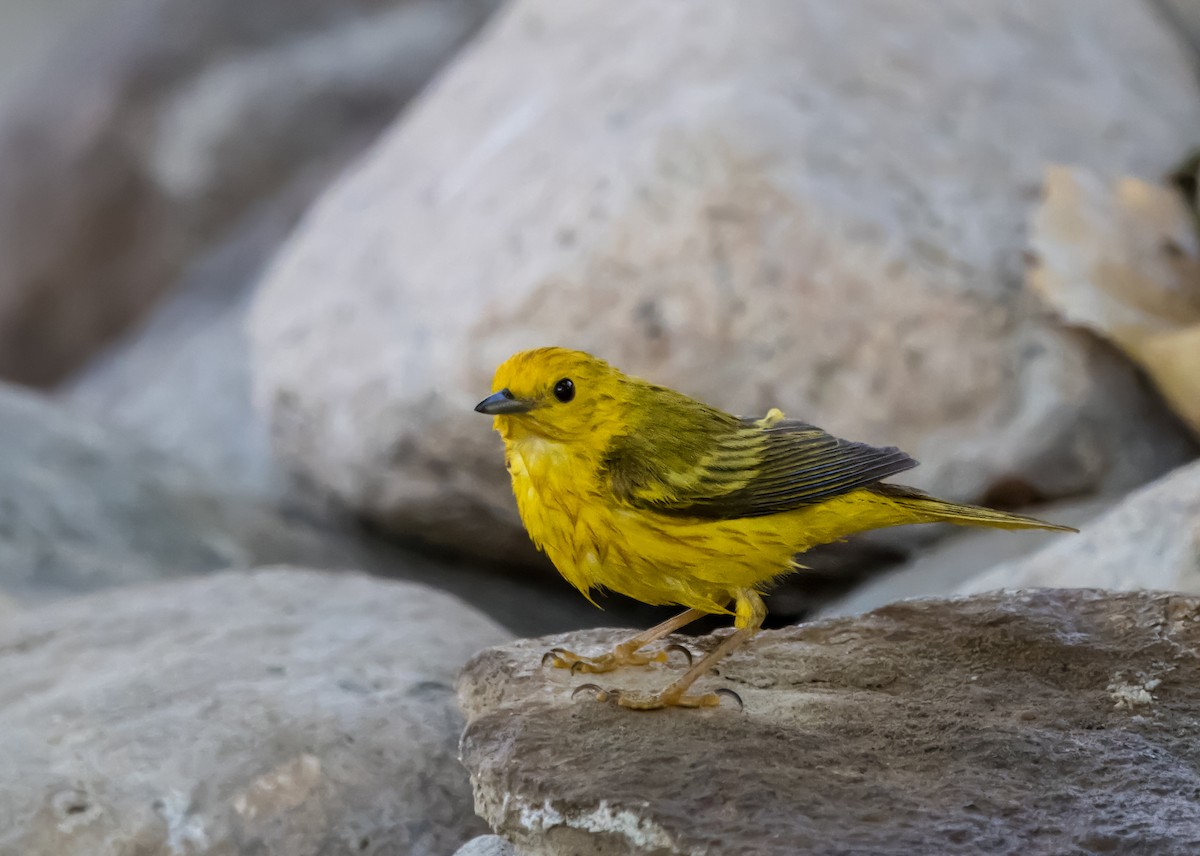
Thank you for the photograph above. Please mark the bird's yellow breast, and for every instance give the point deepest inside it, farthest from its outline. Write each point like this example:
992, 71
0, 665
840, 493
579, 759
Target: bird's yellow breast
559, 512
645, 491
595, 541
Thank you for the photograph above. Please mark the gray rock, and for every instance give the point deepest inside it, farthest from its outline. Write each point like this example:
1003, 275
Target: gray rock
1151, 540
1184, 17
1058, 721
486, 845
277, 713
84, 507
181, 381
27, 27
817, 206
942, 568
8, 606
127, 150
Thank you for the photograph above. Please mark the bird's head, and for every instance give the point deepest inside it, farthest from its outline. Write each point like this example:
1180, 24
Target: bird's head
556, 394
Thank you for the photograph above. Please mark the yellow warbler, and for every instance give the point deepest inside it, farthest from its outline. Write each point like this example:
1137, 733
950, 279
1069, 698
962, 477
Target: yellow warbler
641, 490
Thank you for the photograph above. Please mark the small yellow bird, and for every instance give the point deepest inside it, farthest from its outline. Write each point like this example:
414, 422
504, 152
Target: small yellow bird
641, 490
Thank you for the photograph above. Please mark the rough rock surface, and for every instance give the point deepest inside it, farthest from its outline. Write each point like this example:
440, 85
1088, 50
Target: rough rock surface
280, 712
1151, 540
1057, 721
813, 205
486, 845
126, 149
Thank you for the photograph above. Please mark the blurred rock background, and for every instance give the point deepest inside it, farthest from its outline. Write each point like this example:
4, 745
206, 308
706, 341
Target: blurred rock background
258, 259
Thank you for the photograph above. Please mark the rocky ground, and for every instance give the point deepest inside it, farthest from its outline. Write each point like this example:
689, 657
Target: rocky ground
258, 260
1058, 721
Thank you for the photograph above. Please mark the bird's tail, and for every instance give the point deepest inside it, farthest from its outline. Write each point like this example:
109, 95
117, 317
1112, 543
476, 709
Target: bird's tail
934, 510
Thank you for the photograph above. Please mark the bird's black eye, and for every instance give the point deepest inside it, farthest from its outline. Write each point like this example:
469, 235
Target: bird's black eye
564, 390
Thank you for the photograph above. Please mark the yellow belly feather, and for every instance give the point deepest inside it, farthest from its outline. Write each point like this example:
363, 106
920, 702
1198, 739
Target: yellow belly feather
661, 559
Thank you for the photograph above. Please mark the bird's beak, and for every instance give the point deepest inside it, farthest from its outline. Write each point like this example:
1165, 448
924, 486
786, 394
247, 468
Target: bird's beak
503, 402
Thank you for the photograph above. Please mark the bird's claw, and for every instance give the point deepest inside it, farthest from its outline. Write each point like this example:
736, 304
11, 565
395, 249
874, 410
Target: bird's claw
599, 692
682, 650
561, 658
658, 701
731, 694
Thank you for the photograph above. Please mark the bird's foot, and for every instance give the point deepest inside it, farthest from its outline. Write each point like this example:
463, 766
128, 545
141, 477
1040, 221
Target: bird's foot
561, 658
670, 697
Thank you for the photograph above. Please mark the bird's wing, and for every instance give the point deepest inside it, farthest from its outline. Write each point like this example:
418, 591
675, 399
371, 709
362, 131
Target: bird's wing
745, 468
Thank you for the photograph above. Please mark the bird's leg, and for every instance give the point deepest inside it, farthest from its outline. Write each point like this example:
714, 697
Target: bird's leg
749, 616
627, 652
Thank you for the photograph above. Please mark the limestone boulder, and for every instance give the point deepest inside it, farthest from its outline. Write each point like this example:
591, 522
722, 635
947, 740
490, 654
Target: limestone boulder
151, 125
1055, 721
282, 712
817, 206
1151, 540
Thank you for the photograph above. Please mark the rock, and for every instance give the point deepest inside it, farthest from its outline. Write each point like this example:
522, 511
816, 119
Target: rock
808, 205
26, 28
276, 712
126, 151
1184, 17
1059, 721
84, 507
181, 382
486, 845
1151, 540
942, 568
8, 606
1123, 261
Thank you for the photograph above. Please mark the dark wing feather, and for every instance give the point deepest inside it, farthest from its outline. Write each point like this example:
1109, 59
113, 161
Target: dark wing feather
744, 468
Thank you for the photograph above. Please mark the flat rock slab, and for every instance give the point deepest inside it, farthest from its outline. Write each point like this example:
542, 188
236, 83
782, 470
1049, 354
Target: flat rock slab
1051, 721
